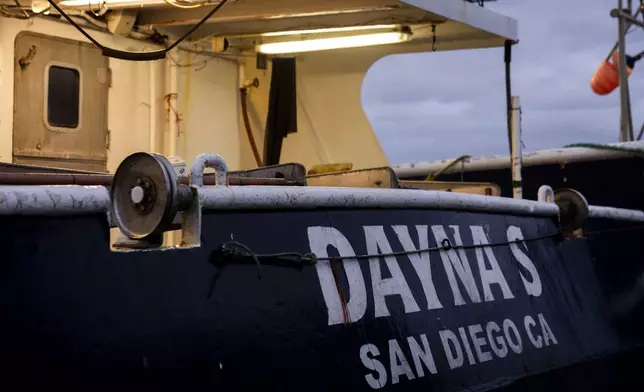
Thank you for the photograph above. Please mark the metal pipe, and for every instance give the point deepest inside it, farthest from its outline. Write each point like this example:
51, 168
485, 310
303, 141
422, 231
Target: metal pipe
236, 198
621, 15
639, 10
153, 107
53, 200
79, 200
517, 187
546, 194
172, 111
17, 179
55, 179
624, 132
507, 59
615, 213
214, 161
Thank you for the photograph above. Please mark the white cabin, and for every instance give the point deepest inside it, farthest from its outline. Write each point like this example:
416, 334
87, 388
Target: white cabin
66, 105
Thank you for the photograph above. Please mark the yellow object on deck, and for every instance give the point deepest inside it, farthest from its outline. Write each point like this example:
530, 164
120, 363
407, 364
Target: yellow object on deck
330, 168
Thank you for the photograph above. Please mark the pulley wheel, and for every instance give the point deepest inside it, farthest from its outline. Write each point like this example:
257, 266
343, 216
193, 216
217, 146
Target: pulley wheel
573, 209
144, 195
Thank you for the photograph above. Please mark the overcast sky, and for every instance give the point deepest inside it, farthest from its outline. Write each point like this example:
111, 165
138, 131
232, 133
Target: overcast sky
441, 105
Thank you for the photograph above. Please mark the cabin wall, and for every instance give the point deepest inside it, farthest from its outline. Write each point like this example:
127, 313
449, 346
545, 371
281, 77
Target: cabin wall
208, 105
206, 98
332, 126
204, 104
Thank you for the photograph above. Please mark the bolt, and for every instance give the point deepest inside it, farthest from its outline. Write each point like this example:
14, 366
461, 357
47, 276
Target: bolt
137, 194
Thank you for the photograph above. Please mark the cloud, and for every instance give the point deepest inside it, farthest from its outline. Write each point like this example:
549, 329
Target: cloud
440, 105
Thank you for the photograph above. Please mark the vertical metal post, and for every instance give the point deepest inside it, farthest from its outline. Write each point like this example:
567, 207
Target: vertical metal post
624, 131
507, 58
517, 158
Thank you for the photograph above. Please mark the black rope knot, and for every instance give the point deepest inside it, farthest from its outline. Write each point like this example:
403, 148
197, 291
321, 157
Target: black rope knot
446, 244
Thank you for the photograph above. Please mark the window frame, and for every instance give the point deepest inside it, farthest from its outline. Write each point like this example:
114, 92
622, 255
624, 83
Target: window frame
49, 126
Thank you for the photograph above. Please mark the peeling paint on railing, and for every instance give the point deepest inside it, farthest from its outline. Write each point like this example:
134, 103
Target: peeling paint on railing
615, 214
267, 197
53, 200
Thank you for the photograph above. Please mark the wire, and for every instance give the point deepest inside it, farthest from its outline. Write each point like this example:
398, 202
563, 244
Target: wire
199, 65
231, 250
137, 56
174, 3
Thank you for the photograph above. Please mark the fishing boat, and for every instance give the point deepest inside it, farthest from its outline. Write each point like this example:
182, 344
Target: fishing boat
193, 199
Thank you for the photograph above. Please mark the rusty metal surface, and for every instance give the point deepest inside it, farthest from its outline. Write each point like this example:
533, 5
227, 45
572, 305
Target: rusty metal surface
381, 177
106, 179
289, 171
54, 179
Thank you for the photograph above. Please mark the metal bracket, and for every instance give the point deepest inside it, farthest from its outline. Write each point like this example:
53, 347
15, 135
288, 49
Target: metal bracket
147, 198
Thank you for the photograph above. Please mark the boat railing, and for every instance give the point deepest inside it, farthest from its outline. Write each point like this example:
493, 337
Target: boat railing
146, 198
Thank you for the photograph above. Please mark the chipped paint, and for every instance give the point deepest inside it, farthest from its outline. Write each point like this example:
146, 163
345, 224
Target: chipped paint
203, 161
266, 197
78, 200
53, 200
615, 213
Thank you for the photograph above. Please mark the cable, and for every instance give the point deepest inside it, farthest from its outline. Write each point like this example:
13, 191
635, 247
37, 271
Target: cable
199, 65
230, 250
136, 56
185, 7
243, 97
242, 254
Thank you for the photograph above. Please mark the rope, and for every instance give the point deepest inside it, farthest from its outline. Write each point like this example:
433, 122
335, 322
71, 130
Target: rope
244, 255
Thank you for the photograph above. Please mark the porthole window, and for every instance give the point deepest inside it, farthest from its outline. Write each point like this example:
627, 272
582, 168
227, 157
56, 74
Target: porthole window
63, 98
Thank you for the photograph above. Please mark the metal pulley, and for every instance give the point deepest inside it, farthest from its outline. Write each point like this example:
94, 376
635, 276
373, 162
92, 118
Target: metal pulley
573, 209
146, 196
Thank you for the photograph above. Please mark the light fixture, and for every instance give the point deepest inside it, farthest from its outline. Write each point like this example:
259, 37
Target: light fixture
120, 4
112, 4
330, 30
312, 44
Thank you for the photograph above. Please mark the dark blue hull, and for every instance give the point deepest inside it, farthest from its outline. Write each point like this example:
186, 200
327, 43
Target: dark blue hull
78, 316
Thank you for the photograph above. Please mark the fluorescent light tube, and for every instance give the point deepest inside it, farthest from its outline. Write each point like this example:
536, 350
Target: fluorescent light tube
318, 44
390, 27
111, 4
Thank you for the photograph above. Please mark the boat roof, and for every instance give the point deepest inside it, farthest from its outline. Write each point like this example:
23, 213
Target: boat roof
459, 24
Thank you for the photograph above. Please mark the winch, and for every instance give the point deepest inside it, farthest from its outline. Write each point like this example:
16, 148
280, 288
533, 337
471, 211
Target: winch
148, 199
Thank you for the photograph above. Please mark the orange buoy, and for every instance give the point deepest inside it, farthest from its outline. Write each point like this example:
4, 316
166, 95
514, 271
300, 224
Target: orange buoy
606, 78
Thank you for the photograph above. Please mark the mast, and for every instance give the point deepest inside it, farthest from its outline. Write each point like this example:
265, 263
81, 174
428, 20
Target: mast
625, 19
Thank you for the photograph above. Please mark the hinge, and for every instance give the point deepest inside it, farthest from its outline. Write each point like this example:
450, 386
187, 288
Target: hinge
109, 77
108, 139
